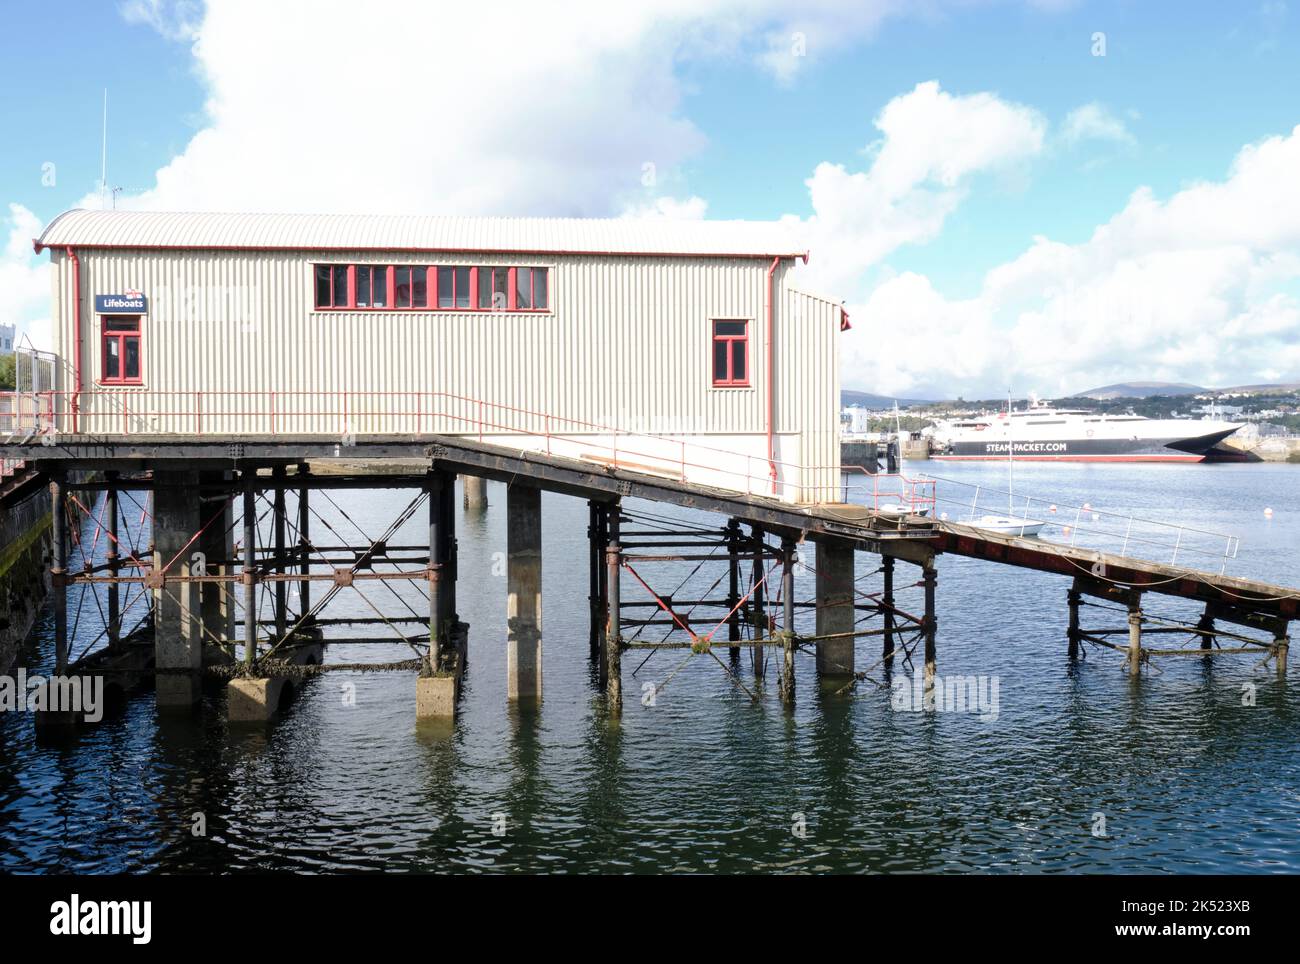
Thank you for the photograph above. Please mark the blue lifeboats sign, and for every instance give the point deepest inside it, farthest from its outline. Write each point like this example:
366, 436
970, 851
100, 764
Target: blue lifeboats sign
131, 303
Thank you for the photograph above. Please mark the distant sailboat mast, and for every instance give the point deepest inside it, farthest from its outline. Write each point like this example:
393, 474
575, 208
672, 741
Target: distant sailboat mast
1011, 462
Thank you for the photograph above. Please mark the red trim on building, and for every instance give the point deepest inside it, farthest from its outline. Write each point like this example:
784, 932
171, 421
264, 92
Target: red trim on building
76, 335
730, 341
120, 338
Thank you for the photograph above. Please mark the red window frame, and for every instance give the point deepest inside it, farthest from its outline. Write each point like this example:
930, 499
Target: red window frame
120, 337
437, 288
430, 284
493, 270
532, 288
730, 341
377, 272
347, 274
337, 272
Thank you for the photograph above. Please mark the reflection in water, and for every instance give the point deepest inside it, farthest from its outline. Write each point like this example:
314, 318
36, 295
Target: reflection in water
1184, 773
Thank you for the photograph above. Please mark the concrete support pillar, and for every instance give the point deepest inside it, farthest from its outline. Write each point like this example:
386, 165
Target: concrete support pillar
258, 699
304, 543
1073, 597
59, 571
442, 615
438, 687
178, 639
1135, 636
613, 626
475, 492
524, 586
787, 621
452, 571
759, 605
112, 558
596, 538
733, 586
835, 612
279, 522
216, 547
929, 580
249, 479
887, 602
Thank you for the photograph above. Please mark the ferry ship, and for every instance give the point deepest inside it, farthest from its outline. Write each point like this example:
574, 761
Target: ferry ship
1045, 433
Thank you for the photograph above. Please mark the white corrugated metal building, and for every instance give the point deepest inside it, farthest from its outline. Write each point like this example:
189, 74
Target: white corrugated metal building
641, 342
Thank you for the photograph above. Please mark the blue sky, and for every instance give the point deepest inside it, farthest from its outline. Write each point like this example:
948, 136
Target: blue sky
1188, 84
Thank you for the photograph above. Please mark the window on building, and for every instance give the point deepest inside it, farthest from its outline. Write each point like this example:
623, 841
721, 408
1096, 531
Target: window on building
411, 287
331, 286
121, 341
372, 286
730, 353
418, 287
494, 288
454, 288
530, 289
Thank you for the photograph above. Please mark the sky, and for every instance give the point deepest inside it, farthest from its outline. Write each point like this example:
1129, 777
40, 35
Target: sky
1037, 196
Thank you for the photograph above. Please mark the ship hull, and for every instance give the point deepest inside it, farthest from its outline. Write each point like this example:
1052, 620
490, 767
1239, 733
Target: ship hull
1194, 449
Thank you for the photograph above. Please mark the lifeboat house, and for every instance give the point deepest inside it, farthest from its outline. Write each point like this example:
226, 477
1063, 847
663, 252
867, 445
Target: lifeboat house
681, 348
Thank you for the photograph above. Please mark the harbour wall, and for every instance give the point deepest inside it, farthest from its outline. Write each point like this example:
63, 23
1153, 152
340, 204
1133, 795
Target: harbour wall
24, 570
1284, 448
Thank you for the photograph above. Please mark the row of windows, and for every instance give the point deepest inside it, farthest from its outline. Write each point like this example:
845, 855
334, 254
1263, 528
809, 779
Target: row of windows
121, 350
421, 287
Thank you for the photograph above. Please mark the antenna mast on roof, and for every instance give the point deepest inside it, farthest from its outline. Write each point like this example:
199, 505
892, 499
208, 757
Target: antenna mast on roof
103, 155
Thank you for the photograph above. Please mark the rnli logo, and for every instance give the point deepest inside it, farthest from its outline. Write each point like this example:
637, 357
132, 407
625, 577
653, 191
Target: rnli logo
127, 303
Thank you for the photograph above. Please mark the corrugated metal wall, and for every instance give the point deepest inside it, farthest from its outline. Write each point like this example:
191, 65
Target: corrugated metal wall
627, 344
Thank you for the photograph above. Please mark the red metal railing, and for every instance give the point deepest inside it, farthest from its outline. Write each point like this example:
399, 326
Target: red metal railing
890, 492
347, 414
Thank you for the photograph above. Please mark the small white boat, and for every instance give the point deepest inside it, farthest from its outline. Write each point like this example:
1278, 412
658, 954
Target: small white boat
1008, 525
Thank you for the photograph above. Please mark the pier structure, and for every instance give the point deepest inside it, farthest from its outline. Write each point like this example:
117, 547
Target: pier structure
241, 565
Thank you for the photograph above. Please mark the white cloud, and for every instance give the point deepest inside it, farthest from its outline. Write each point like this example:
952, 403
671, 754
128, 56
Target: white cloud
486, 108
174, 19
1094, 121
669, 209
818, 27
1193, 288
24, 278
931, 144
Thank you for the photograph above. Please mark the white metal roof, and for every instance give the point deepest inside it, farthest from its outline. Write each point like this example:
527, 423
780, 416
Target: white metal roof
314, 232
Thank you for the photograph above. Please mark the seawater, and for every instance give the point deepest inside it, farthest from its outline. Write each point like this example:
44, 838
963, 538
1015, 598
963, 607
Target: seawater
1082, 769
